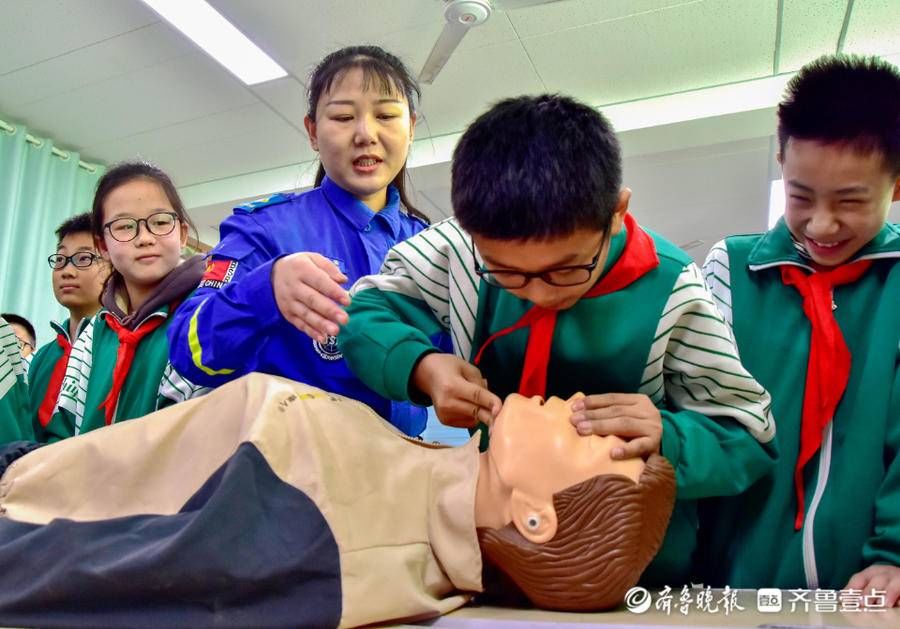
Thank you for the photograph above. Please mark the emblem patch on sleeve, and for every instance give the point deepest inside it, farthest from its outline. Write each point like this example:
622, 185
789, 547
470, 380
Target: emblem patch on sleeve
218, 273
329, 349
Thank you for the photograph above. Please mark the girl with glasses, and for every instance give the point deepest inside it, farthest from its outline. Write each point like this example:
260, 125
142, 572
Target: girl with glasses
119, 365
273, 294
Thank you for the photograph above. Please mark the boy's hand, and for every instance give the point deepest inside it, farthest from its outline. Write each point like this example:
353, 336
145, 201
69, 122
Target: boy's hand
631, 416
457, 390
309, 295
878, 577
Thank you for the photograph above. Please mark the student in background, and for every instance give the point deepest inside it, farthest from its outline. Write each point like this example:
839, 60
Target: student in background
25, 334
272, 295
815, 308
548, 286
118, 368
78, 276
15, 424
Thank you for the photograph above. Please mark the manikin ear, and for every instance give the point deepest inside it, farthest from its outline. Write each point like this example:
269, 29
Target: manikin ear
534, 519
310, 125
620, 211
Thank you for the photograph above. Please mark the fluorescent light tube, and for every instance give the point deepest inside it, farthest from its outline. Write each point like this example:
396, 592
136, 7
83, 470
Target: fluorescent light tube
217, 36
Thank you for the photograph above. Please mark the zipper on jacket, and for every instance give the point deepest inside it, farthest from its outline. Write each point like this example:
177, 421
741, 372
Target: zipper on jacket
810, 568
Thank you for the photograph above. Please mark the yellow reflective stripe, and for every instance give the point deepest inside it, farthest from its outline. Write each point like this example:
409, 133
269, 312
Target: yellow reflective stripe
197, 350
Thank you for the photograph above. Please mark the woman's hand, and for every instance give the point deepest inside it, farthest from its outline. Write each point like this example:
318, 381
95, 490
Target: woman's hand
309, 295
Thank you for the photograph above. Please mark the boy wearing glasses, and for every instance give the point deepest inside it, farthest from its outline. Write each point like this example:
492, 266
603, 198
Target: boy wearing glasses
14, 422
547, 286
25, 334
78, 276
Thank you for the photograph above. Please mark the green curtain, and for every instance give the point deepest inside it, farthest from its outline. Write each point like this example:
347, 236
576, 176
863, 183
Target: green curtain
38, 191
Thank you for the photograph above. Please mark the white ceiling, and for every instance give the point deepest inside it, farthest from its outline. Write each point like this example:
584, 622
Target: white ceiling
108, 79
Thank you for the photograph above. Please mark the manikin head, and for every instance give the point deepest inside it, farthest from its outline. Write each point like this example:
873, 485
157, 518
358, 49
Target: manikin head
571, 527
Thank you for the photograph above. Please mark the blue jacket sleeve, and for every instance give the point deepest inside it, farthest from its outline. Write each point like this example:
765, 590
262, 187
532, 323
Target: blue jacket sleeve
214, 334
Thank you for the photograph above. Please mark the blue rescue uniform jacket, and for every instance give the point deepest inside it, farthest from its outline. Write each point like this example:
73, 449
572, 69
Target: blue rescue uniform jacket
231, 324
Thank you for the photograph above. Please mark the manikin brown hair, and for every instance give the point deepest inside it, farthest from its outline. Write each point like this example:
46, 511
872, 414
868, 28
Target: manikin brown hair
609, 528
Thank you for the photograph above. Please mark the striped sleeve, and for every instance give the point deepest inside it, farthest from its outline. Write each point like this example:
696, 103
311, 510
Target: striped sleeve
436, 266
718, 278
174, 388
73, 394
701, 368
427, 286
15, 422
13, 365
718, 430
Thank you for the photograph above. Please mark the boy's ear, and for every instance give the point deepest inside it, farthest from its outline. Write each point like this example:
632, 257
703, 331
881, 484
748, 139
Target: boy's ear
620, 211
101, 248
534, 519
896, 196
310, 125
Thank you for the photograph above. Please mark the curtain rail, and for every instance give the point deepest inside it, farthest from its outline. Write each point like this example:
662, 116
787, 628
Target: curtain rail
38, 143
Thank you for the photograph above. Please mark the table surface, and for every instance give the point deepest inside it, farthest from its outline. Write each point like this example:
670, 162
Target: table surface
815, 615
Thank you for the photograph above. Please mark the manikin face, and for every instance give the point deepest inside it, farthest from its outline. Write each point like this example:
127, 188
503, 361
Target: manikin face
536, 452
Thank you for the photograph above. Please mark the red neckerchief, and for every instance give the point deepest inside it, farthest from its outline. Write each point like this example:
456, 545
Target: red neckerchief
828, 367
45, 412
128, 342
638, 258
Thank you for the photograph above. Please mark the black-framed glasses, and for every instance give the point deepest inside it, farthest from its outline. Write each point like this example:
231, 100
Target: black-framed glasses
127, 229
81, 260
570, 275
22, 344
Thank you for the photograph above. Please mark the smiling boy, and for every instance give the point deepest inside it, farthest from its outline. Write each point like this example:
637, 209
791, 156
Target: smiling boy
815, 308
549, 287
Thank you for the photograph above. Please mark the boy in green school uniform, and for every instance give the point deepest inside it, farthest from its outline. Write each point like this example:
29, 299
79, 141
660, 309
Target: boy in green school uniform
15, 422
78, 276
547, 286
815, 308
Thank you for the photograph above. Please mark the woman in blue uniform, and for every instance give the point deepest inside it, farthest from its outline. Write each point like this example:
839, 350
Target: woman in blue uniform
272, 295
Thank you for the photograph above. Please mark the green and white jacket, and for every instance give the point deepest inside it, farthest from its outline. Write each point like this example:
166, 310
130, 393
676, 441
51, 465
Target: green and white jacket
152, 382
852, 500
15, 420
661, 336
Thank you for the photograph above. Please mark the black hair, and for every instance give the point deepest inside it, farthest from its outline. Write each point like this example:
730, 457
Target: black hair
380, 68
80, 223
119, 175
25, 323
536, 167
845, 99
